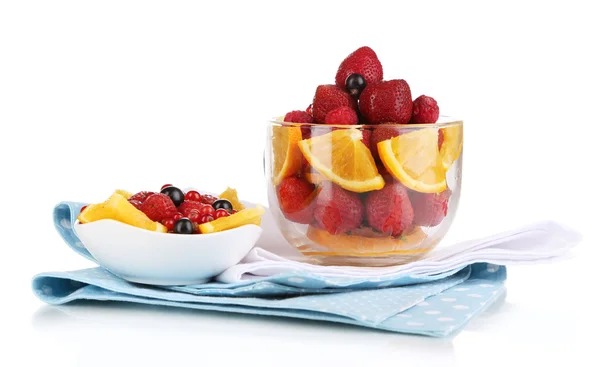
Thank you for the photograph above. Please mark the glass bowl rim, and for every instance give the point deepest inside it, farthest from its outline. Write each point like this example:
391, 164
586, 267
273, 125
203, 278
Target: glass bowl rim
447, 121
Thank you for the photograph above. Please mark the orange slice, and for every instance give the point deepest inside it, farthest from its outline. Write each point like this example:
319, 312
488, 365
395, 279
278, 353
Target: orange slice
287, 159
118, 208
342, 157
243, 217
356, 244
452, 145
231, 195
413, 159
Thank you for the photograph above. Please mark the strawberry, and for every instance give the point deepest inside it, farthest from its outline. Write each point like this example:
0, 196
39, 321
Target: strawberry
381, 133
298, 116
430, 209
329, 97
389, 210
140, 196
158, 207
388, 102
364, 62
341, 116
337, 210
296, 199
425, 111
188, 205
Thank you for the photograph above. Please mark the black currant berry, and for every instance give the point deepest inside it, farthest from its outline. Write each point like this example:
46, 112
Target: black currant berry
355, 84
174, 193
223, 204
183, 226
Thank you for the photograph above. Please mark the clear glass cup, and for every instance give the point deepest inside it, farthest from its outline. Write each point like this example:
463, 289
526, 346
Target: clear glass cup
394, 219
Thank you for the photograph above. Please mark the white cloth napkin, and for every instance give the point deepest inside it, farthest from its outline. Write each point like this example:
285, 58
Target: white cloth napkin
537, 243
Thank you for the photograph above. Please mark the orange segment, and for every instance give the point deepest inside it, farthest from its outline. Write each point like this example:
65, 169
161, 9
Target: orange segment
342, 157
118, 208
243, 217
287, 159
359, 245
414, 160
452, 145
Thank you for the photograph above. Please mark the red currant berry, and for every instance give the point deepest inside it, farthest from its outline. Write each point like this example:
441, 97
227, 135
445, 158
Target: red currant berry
233, 211
169, 223
165, 186
206, 219
193, 196
219, 213
194, 216
83, 208
207, 210
177, 217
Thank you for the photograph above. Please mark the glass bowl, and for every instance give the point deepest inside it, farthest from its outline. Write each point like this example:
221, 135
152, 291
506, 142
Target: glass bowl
364, 195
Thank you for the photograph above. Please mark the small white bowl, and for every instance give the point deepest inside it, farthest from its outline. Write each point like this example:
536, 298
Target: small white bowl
147, 257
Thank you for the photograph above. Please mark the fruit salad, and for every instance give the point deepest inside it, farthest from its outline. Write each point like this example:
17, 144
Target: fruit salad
365, 169
172, 210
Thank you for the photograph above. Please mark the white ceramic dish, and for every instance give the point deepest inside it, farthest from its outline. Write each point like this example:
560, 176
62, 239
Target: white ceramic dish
147, 257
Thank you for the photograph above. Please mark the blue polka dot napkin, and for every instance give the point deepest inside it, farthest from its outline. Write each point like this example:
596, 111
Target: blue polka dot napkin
427, 302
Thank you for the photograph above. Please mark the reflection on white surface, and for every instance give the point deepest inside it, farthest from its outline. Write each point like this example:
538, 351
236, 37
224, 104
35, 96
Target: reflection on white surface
91, 326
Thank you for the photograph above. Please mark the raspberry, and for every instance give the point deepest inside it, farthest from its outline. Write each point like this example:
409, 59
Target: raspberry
329, 97
158, 207
296, 199
388, 102
364, 62
430, 209
389, 210
187, 206
299, 117
141, 196
136, 203
425, 111
338, 210
341, 116
208, 199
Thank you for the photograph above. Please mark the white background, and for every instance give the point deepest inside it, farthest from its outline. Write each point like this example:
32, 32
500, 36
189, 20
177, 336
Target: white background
133, 94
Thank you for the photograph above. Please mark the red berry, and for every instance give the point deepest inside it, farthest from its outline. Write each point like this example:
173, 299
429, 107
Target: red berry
188, 205
140, 196
430, 209
177, 217
208, 199
219, 213
193, 195
329, 97
207, 210
158, 207
388, 102
169, 223
389, 210
206, 219
425, 111
338, 210
299, 116
165, 186
233, 211
309, 109
194, 216
341, 116
381, 133
136, 203
296, 199
363, 61
83, 208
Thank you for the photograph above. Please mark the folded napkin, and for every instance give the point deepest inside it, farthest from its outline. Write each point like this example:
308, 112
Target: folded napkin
435, 296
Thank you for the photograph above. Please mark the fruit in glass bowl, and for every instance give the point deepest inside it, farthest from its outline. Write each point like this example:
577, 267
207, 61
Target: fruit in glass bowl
366, 175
